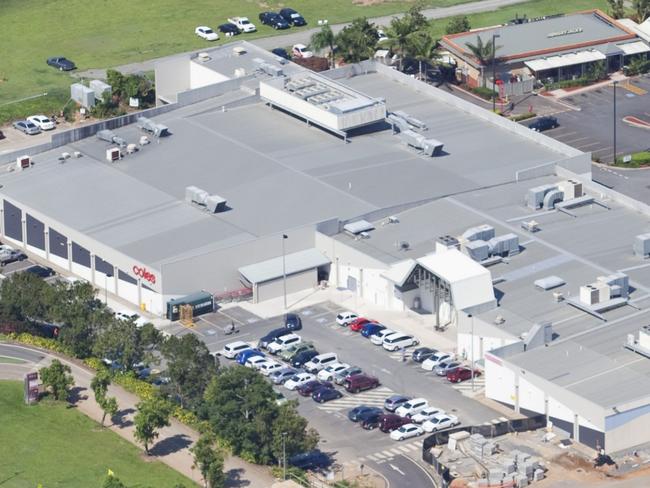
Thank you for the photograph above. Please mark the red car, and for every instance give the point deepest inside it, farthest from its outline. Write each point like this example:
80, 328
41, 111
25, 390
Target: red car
462, 374
311, 386
357, 325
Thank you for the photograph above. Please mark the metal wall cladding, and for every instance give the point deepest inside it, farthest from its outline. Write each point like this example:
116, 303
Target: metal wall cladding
535, 196
551, 198
99, 88
412, 138
83, 95
478, 250
504, 245
641, 246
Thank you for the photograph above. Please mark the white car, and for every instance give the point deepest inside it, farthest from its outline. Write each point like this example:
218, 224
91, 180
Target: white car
328, 373
255, 362
344, 318
440, 422
381, 36
267, 367
430, 363
378, 338
412, 407
42, 122
321, 361
301, 51
127, 315
297, 380
243, 24
406, 431
397, 341
426, 414
204, 32
232, 349
283, 342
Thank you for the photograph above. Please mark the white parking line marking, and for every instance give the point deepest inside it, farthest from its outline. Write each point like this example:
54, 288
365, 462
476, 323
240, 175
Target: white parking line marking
372, 457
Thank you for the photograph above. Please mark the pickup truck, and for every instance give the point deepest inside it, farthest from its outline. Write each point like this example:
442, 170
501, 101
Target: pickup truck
9, 256
243, 24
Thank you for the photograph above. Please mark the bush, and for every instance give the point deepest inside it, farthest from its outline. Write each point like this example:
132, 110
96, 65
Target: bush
483, 92
520, 117
42, 342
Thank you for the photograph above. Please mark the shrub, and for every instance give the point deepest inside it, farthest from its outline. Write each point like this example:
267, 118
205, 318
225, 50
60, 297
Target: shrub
483, 92
520, 117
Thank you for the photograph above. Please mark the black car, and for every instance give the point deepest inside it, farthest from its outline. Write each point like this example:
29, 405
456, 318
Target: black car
544, 123
422, 353
371, 420
274, 20
228, 29
61, 63
281, 52
271, 336
41, 271
325, 394
293, 17
292, 321
300, 360
360, 413
310, 460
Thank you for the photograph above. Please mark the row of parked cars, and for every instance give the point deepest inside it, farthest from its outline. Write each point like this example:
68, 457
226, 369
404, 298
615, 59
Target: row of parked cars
283, 19
34, 125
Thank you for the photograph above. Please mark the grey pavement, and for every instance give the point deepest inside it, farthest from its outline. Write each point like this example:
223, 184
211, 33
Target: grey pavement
303, 36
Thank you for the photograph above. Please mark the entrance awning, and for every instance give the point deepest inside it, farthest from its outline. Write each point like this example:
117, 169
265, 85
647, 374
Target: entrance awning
632, 48
271, 269
562, 60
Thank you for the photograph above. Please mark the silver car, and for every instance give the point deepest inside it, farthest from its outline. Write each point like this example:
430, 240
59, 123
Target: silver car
279, 376
27, 127
446, 367
339, 378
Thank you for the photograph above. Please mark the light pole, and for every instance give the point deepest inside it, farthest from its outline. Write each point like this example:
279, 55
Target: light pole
472, 351
284, 455
284, 271
494, 71
614, 122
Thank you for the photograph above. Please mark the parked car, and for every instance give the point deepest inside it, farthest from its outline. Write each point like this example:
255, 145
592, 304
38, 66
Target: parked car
280, 399
205, 32
27, 127
271, 336
292, 351
40, 271
306, 389
447, 367
440, 422
274, 20
283, 342
243, 356
357, 413
378, 338
228, 29
393, 402
61, 63
426, 414
323, 395
389, 422
328, 373
422, 353
269, 366
297, 380
310, 460
255, 362
281, 375
462, 374
345, 318
381, 36
406, 432
243, 24
341, 376
544, 123
301, 51
10, 256
232, 349
293, 17
42, 122
292, 321
315, 364
281, 52
299, 360
360, 382
397, 341
371, 420
371, 329
357, 324
430, 363
410, 408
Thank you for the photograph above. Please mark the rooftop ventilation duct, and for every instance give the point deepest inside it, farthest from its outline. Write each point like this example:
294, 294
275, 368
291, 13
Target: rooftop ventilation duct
152, 127
110, 136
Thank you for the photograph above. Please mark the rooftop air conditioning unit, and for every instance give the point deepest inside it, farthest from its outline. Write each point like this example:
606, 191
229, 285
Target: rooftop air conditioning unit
364, 235
23, 162
203, 57
113, 154
499, 320
393, 220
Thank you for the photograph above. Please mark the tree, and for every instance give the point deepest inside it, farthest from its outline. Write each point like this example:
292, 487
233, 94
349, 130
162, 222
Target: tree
484, 53
57, 378
119, 340
422, 48
617, 8
190, 367
110, 408
641, 10
322, 39
153, 414
416, 18
399, 38
99, 384
112, 482
209, 460
458, 24
291, 428
357, 41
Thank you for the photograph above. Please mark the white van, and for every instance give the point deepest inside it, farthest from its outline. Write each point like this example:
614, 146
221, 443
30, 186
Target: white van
321, 361
283, 342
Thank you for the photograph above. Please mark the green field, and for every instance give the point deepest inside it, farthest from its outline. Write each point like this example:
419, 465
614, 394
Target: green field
62, 448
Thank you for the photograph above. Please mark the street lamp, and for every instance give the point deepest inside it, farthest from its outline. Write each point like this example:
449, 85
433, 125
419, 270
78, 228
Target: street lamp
494, 71
284, 455
472, 351
284, 271
614, 122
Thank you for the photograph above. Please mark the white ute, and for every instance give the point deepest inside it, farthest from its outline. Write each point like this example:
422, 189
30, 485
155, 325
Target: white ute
243, 24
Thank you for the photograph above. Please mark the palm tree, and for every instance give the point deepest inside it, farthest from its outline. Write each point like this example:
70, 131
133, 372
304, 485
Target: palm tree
421, 48
641, 10
483, 52
357, 41
399, 37
322, 39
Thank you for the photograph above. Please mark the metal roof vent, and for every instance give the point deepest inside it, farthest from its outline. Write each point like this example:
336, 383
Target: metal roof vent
203, 57
403, 245
499, 320
358, 227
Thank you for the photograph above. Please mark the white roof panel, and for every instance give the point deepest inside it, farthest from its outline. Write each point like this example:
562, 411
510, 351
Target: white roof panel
271, 269
637, 47
570, 59
399, 272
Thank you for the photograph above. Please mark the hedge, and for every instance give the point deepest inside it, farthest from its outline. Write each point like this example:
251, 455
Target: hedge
520, 117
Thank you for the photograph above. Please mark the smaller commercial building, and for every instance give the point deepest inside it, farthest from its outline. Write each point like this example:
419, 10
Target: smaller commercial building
546, 49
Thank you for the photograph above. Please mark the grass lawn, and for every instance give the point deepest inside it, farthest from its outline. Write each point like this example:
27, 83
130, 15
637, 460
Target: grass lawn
639, 160
60, 447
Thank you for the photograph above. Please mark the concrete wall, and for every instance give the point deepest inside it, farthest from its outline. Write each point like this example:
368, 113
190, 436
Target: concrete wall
10, 157
201, 76
172, 77
195, 95
296, 282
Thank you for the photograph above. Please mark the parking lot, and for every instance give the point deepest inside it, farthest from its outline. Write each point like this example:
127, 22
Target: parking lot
348, 441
